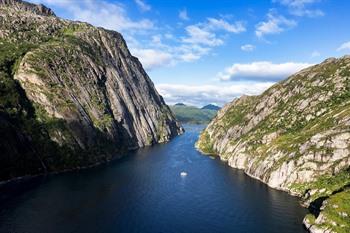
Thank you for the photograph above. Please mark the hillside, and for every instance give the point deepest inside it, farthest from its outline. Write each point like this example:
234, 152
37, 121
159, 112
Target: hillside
192, 114
71, 95
294, 137
211, 107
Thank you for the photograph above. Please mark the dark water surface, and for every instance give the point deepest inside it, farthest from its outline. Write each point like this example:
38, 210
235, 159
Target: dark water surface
144, 192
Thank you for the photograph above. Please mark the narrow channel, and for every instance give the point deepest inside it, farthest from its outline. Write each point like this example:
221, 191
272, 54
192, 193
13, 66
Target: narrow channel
164, 188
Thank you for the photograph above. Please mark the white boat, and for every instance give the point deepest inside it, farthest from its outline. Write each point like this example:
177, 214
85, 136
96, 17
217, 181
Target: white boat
183, 174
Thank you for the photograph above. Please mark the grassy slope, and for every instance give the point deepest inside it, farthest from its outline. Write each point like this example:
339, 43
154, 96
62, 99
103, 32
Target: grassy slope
294, 131
191, 114
25, 128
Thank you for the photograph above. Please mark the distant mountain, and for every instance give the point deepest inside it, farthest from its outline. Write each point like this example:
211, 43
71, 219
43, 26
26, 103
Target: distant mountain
211, 107
180, 104
192, 114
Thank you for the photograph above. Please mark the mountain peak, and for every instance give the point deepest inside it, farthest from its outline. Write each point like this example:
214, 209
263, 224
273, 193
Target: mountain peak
180, 104
39, 9
211, 107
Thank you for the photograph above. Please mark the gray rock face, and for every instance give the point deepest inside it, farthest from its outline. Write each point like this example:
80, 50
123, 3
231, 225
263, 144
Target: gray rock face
89, 93
294, 132
295, 136
26, 6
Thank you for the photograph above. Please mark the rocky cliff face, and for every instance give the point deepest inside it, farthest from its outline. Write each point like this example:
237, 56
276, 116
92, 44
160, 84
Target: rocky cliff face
71, 94
294, 137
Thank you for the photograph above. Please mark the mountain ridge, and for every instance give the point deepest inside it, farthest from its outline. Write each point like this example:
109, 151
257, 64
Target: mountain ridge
211, 107
191, 114
72, 95
294, 137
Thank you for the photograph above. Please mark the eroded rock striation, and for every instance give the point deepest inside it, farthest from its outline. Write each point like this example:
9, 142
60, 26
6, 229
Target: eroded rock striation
294, 137
71, 95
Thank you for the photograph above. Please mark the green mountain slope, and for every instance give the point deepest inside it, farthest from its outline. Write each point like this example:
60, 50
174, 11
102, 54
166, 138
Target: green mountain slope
71, 95
294, 137
211, 107
191, 114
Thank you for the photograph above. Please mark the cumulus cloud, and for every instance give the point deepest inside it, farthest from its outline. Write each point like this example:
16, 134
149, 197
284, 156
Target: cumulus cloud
200, 95
192, 52
190, 56
206, 33
261, 70
202, 37
344, 46
151, 58
275, 24
142, 5
153, 44
158, 54
101, 13
183, 15
197, 35
247, 47
301, 7
220, 24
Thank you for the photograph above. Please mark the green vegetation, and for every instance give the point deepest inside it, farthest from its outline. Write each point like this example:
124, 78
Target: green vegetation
300, 124
324, 186
10, 91
67, 92
211, 107
191, 114
205, 144
335, 215
236, 114
73, 28
37, 142
19, 124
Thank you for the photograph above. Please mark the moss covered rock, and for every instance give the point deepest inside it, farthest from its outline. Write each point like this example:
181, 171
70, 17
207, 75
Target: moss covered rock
71, 95
295, 136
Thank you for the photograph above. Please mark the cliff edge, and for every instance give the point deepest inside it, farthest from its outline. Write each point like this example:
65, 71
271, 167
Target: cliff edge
71, 94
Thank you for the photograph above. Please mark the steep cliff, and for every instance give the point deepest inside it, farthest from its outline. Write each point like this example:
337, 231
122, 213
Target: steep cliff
71, 95
294, 137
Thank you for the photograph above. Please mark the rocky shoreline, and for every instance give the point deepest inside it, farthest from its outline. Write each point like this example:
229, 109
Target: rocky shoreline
294, 137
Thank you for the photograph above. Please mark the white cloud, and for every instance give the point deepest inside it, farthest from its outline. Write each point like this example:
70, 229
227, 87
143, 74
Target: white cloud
300, 7
206, 33
200, 95
275, 24
202, 37
315, 54
247, 47
236, 27
344, 46
261, 70
101, 13
143, 6
151, 58
308, 13
183, 15
197, 35
190, 56
192, 52
155, 45
295, 3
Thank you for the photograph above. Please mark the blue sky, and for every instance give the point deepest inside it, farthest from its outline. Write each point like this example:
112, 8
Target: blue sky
201, 52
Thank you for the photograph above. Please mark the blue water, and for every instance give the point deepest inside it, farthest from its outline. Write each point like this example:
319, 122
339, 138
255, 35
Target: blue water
144, 192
